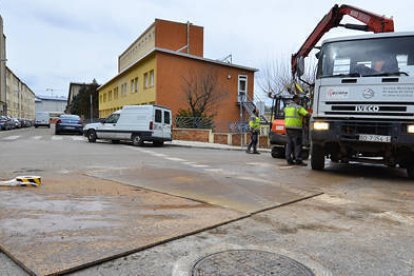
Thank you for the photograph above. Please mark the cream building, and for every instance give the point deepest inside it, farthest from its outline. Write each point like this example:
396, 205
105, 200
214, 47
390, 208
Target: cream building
20, 98
3, 106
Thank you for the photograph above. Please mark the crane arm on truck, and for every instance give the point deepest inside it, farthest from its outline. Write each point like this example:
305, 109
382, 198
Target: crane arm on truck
373, 22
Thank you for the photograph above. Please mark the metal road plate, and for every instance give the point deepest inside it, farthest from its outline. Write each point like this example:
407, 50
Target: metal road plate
375, 138
54, 231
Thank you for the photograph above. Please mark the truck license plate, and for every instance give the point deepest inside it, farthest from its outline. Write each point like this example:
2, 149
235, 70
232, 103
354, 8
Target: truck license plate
375, 138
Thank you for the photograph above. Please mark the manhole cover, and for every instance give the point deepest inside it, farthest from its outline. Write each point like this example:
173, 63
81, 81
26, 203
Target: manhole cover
249, 262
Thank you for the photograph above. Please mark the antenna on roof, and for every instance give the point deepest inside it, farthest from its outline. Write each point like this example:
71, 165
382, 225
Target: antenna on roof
227, 59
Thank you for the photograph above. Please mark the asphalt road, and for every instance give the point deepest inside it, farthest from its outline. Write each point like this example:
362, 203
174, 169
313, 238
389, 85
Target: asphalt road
350, 219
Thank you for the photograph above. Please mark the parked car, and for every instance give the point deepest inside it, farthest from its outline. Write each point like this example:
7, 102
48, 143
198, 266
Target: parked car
6, 123
136, 123
69, 123
42, 119
17, 123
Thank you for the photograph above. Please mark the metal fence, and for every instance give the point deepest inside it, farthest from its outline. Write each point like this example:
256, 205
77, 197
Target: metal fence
194, 122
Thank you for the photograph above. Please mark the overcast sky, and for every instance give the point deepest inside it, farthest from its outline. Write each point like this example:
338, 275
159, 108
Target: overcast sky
51, 43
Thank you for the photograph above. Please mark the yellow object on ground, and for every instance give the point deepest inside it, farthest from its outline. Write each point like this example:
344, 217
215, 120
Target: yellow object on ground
23, 181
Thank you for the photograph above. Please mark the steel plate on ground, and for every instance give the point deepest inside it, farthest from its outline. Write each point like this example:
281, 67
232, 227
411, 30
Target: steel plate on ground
56, 228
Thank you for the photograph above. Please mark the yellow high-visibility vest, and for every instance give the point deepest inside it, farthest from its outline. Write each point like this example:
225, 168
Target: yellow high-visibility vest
293, 115
254, 123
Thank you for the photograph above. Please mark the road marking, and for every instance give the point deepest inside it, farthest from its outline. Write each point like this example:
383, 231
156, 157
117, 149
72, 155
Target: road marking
11, 138
176, 159
78, 138
57, 137
214, 170
197, 165
37, 137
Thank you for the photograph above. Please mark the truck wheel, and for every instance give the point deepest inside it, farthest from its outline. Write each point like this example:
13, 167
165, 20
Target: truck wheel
115, 141
317, 158
410, 170
137, 140
278, 153
91, 136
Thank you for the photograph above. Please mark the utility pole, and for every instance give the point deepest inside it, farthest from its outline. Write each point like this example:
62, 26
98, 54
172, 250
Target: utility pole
91, 107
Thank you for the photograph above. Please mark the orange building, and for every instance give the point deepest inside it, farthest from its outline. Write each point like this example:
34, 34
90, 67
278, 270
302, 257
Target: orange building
166, 62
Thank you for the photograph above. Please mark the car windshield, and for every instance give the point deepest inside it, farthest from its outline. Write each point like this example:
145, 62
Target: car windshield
392, 56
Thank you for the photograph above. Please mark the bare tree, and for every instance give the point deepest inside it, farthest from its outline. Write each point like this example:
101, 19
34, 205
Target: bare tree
202, 93
275, 78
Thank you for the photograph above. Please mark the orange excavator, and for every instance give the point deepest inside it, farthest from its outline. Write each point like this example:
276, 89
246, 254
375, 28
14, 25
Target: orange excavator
372, 23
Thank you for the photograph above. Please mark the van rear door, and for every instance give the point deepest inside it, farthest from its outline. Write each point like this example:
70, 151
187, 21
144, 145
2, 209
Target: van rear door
158, 123
167, 124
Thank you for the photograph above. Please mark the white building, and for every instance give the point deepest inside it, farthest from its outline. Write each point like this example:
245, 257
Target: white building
54, 105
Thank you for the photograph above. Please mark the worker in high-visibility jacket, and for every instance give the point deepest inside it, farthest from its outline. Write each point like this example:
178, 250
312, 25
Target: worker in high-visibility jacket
254, 125
294, 114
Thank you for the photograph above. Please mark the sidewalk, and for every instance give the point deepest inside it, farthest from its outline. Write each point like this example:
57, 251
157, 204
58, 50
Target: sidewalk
205, 145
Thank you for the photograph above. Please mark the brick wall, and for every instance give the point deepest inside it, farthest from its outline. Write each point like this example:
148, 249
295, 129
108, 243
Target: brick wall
206, 135
188, 134
220, 138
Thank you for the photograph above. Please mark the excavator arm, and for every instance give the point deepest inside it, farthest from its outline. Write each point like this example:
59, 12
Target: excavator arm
373, 22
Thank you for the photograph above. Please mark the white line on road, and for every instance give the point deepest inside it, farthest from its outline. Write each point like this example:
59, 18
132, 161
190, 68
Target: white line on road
57, 138
175, 159
78, 138
37, 137
11, 138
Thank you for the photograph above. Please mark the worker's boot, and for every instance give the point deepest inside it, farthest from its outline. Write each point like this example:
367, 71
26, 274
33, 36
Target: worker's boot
300, 163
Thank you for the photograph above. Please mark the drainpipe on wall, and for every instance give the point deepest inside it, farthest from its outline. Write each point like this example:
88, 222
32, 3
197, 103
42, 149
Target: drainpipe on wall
188, 37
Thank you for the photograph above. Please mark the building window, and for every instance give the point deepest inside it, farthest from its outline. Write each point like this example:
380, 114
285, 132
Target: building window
146, 81
100, 98
116, 91
136, 85
110, 96
149, 79
124, 88
242, 88
104, 97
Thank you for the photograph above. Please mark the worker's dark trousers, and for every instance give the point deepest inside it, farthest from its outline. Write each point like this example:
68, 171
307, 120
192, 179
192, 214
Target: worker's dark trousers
253, 141
293, 145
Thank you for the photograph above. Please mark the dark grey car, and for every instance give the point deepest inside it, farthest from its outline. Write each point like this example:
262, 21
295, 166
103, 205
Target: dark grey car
69, 123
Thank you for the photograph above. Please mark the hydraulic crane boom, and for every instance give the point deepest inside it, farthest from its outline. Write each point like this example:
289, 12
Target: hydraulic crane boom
374, 23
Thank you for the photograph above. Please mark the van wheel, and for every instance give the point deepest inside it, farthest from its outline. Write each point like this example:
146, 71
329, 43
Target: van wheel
91, 136
158, 143
318, 158
137, 140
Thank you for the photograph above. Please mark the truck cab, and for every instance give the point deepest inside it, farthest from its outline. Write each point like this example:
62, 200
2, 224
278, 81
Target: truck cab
363, 101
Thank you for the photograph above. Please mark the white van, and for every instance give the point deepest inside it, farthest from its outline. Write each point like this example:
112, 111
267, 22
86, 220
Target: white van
42, 119
136, 123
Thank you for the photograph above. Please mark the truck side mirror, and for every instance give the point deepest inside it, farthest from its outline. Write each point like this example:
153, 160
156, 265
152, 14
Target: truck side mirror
102, 120
300, 66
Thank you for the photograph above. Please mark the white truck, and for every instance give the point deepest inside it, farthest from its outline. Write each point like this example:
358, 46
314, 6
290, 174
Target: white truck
364, 101
363, 96
136, 123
